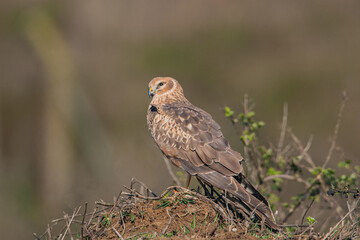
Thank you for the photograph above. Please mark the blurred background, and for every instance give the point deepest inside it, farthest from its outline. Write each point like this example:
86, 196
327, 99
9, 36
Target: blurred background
73, 88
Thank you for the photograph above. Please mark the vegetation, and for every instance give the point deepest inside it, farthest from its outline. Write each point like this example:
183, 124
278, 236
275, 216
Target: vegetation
207, 213
272, 167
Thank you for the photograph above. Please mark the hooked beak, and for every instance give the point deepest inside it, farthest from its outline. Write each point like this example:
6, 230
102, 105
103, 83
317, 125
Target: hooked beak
151, 92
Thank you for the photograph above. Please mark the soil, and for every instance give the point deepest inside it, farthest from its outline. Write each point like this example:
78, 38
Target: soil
177, 217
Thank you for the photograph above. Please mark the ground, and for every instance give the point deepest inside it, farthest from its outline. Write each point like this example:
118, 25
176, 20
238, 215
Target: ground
177, 214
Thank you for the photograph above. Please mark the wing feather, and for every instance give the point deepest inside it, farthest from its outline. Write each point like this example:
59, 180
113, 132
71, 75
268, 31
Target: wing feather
193, 131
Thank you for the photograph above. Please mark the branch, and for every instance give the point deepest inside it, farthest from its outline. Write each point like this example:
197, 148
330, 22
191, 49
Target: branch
336, 131
117, 233
332, 229
172, 174
283, 131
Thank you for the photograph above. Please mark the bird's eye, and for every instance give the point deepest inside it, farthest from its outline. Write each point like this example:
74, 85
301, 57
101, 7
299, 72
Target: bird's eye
161, 84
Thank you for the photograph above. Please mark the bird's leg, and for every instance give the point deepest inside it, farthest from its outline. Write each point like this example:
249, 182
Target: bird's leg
188, 180
206, 192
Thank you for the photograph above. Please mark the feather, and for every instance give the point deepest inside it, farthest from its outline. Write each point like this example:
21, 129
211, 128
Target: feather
230, 162
221, 169
210, 152
219, 144
206, 159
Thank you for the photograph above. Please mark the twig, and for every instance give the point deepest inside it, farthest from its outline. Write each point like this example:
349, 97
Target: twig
212, 203
123, 223
115, 204
282, 132
82, 222
302, 149
294, 225
138, 195
137, 234
68, 223
88, 214
308, 145
172, 174
168, 224
254, 211
36, 236
332, 202
117, 233
286, 176
134, 180
325, 224
332, 229
302, 220
49, 231
297, 205
336, 131
228, 210
92, 216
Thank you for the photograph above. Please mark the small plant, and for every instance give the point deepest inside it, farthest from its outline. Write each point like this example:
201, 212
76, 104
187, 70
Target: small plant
164, 203
193, 223
271, 165
132, 217
106, 220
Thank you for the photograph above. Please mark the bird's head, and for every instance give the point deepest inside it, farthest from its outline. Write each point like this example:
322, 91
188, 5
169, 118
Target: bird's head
165, 87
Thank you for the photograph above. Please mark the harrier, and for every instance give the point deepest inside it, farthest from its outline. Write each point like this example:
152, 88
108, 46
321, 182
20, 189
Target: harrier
189, 138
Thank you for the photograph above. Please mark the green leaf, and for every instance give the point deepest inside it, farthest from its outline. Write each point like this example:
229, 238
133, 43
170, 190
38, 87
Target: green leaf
344, 164
271, 171
273, 198
193, 224
285, 205
132, 217
261, 124
310, 220
250, 114
228, 112
267, 154
316, 171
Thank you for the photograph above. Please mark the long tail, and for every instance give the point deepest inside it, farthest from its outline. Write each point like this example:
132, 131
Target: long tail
242, 189
262, 206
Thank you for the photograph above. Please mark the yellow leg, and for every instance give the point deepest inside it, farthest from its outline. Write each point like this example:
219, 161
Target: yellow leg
188, 181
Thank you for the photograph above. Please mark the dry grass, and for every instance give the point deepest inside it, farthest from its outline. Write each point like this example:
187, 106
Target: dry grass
177, 214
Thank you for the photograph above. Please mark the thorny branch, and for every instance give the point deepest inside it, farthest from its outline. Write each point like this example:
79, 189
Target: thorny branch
293, 154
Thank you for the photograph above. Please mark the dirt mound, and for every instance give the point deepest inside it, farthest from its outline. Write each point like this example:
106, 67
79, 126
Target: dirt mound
177, 214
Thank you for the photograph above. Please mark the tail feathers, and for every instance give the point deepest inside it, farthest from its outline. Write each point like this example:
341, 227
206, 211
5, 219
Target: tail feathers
250, 189
257, 203
241, 188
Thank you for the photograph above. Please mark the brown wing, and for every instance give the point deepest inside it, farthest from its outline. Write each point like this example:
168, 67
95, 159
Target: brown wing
192, 140
189, 133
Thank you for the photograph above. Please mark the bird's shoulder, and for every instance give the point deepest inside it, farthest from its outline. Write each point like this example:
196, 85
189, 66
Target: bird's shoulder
189, 118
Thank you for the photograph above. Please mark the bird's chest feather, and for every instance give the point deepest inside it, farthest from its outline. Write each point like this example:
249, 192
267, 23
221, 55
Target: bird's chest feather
165, 129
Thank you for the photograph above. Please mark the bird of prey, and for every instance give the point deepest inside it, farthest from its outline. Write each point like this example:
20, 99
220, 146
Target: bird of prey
189, 138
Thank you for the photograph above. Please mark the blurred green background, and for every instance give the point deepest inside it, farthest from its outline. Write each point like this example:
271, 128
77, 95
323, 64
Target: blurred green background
73, 88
